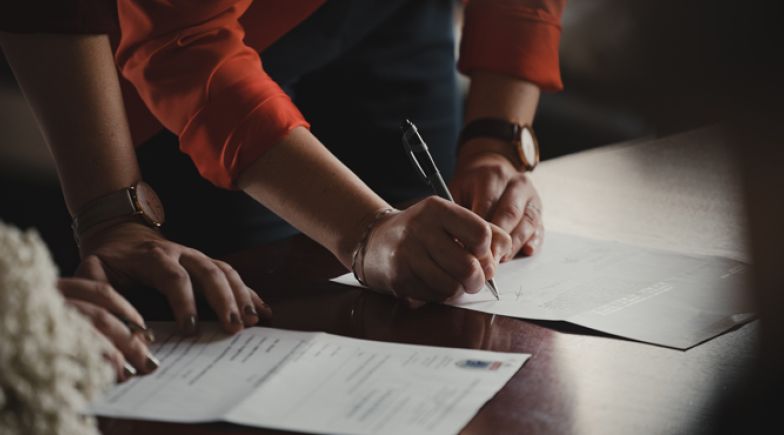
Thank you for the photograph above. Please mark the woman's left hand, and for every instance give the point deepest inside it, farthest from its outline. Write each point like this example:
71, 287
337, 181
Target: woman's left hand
490, 185
106, 309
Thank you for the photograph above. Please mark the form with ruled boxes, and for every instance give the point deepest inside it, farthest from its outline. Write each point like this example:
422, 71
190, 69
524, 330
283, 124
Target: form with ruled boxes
311, 382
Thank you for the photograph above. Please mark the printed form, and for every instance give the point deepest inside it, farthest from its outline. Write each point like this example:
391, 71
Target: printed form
666, 298
311, 382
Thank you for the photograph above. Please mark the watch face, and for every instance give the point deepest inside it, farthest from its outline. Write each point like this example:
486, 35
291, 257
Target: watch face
150, 204
529, 148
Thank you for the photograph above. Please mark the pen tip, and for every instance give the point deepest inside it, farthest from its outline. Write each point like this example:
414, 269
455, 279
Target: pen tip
493, 289
406, 124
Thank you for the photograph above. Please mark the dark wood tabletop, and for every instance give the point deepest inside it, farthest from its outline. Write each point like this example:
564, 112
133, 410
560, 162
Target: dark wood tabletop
576, 382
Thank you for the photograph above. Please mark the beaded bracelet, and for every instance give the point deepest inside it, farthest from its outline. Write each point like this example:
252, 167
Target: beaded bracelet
358, 256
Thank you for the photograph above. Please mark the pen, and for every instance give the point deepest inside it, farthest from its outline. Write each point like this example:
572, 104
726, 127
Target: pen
423, 162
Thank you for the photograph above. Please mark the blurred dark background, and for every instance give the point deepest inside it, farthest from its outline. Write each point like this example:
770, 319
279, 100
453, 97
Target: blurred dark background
632, 69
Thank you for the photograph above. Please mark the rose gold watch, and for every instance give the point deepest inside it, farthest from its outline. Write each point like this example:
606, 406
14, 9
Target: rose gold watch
137, 202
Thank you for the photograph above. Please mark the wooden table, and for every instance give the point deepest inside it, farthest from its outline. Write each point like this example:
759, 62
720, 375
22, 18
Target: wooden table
577, 381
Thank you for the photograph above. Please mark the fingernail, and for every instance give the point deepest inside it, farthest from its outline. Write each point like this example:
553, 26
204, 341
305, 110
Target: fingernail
129, 370
147, 334
151, 363
235, 319
266, 309
136, 328
250, 311
191, 325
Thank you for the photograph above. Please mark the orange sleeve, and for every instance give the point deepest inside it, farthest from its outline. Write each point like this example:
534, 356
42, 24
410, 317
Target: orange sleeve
191, 67
513, 37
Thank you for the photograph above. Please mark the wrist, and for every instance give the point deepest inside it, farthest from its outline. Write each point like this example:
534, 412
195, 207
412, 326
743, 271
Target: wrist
138, 203
480, 147
358, 253
113, 230
353, 235
514, 141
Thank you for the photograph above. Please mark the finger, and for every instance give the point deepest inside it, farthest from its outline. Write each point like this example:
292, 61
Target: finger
441, 283
511, 206
417, 289
407, 285
473, 232
131, 347
264, 310
242, 294
160, 270
101, 294
533, 244
484, 197
211, 280
455, 261
118, 363
520, 235
414, 304
501, 245
92, 268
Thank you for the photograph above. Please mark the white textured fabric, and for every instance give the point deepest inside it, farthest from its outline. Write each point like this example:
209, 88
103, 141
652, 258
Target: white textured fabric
51, 358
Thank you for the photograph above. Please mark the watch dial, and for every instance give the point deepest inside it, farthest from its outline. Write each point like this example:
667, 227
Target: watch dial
149, 203
529, 146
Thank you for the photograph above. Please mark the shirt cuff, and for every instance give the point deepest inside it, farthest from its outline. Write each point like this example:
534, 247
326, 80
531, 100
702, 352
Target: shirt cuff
521, 45
236, 128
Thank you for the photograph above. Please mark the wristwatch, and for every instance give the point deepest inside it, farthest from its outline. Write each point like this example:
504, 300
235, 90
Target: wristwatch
137, 202
521, 137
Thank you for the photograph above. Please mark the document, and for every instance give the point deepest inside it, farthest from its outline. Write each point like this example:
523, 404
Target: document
311, 382
655, 296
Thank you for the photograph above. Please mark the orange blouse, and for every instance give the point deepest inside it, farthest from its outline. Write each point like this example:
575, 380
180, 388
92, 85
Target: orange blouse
197, 68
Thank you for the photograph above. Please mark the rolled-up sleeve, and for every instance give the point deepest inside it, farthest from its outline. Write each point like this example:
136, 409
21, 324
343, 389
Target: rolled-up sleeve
513, 37
191, 67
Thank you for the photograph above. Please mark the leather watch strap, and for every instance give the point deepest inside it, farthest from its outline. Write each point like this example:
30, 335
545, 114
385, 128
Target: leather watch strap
523, 145
112, 206
491, 127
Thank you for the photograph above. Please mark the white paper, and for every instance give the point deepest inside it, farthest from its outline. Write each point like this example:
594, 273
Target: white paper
311, 382
650, 295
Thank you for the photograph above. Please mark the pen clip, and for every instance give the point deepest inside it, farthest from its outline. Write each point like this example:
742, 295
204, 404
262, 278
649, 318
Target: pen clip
410, 130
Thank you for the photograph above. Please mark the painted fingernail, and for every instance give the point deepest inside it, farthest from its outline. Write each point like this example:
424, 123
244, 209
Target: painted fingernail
250, 311
191, 325
151, 363
266, 309
128, 370
136, 328
235, 319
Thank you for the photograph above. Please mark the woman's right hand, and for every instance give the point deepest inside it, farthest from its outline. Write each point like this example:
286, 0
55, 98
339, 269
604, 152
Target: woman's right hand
432, 251
105, 308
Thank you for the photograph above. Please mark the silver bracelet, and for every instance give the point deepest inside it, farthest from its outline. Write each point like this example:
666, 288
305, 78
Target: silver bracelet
358, 256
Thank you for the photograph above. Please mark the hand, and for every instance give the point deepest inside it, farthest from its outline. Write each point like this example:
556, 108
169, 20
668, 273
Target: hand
129, 254
490, 185
104, 307
431, 251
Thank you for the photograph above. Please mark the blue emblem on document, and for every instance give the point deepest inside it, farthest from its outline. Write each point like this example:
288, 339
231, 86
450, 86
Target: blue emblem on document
479, 364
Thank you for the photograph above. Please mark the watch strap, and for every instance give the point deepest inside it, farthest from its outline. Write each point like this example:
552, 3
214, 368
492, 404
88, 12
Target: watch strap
491, 127
106, 208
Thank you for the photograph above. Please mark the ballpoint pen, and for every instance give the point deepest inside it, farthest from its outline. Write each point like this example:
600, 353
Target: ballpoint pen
426, 167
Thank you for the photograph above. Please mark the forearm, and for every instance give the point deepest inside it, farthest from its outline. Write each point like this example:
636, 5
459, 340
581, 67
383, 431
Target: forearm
301, 181
71, 84
499, 96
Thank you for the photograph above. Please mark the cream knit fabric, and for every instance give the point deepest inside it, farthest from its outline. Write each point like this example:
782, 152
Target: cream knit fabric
51, 362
